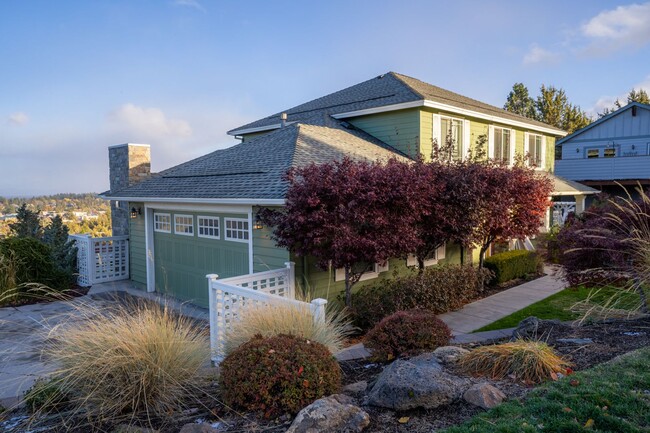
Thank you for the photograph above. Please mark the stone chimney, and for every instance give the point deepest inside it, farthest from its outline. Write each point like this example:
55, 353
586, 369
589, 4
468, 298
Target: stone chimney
128, 164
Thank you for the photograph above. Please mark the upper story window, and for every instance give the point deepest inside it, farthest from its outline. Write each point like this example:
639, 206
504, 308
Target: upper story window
610, 152
593, 153
184, 225
236, 229
535, 147
453, 129
162, 222
502, 145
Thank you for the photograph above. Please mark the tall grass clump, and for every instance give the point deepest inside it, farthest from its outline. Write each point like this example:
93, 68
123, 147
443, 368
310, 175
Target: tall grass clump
128, 360
527, 361
9, 265
272, 320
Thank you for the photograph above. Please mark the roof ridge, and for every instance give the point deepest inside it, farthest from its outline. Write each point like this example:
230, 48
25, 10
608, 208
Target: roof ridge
399, 76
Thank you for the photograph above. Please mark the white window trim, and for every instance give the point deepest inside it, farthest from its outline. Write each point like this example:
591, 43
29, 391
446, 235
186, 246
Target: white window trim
225, 230
437, 132
155, 223
492, 144
180, 215
527, 137
438, 255
217, 227
339, 274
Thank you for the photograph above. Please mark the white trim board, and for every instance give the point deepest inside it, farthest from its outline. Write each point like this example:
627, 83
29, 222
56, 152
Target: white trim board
236, 132
242, 201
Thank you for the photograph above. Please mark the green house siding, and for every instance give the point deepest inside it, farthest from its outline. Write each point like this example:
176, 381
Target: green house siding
266, 256
137, 249
400, 129
182, 262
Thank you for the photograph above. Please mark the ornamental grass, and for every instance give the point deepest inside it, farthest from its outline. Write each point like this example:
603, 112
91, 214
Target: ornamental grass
272, 320
526, 361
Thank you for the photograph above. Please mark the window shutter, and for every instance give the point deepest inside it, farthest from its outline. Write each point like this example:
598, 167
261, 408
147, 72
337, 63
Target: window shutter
543, 157
441, 251
491, 141
513, 145
436, 129
527, 147
466, 141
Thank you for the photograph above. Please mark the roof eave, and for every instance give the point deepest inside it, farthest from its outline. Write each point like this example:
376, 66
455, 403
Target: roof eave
248, 201
235, 132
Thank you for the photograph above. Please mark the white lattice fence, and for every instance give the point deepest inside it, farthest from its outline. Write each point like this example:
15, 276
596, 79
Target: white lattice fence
229, 297
101, 260
561, 210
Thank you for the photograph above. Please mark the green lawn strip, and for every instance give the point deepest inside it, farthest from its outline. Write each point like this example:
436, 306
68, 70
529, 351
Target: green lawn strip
614, 395
557, 306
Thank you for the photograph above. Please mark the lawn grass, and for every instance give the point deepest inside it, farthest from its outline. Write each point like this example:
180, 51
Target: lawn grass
612, 397
557, 306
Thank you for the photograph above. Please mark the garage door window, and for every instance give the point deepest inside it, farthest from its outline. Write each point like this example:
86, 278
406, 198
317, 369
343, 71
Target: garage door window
236, 229
162, 222
208, 227
184, 225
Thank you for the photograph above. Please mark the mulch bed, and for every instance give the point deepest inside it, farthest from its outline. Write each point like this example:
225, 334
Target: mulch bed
39, 298
610, 339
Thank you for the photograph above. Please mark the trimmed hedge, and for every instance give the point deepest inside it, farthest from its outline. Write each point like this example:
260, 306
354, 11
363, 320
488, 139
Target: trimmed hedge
407, 333
512, 264
438, 289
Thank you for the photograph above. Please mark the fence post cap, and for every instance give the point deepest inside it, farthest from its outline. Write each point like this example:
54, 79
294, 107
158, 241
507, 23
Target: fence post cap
319, 301
212, 276
289, 264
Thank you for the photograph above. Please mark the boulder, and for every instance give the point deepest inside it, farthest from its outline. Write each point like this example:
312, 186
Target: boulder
449, 354
532, 328
194, 427
419, 382
356, 388
484, 395
330, 414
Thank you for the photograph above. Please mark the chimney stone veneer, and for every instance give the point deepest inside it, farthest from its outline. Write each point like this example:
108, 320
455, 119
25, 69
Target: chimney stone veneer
128, 164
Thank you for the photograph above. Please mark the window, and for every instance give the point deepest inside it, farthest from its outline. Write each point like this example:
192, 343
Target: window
208, 227
236, 229
535, 150
162, 222
502, 145
452, 128
609, 152
593, 153
184, 225
339, 274
437, 255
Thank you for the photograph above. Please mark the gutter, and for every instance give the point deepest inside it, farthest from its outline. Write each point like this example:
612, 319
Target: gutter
246, 201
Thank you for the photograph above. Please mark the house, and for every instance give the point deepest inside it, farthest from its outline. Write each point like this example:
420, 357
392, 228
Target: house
199, 217
611, 152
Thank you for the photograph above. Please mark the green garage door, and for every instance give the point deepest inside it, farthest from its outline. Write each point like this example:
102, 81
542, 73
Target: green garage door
189, 245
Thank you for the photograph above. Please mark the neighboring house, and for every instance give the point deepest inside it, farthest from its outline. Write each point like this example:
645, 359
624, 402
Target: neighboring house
612, 151
198, 218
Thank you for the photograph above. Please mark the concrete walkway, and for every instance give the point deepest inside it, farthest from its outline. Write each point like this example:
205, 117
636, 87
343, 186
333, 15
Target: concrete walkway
487, 310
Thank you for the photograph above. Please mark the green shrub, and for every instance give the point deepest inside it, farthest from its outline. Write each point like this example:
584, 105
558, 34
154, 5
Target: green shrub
277, 375
438, 289
407, 333
512, 264
45, 396
36, 263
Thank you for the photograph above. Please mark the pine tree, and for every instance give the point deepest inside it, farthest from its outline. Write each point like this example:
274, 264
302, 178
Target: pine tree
520, 102
63, 250
28, 224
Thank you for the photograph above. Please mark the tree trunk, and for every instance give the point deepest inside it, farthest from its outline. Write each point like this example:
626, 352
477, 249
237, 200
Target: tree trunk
462, 255
348, 288
481, 257
420, 265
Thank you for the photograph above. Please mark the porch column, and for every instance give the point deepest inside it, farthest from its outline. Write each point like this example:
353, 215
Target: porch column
580, 203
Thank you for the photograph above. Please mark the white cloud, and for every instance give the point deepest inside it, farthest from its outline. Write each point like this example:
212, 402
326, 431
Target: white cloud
190, 3
625, 26
18, 118
539, 55
148, 122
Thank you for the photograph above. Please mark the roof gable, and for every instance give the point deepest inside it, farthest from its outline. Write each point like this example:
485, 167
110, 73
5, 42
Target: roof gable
385, 90
591, 130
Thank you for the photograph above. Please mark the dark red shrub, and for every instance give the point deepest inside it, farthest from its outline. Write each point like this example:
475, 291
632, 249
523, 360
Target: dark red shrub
277, 375
407, 333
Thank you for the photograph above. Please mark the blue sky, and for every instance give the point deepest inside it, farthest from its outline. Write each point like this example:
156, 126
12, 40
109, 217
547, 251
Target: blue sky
78, 76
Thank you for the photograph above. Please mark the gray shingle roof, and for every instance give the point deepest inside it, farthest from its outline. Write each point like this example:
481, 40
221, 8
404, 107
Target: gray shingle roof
388, 89
254, 169
562, 186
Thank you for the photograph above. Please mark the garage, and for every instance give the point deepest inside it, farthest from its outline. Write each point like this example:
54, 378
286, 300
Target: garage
189, 245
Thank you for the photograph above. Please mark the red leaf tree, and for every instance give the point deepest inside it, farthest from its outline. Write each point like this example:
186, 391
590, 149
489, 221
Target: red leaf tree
348, 214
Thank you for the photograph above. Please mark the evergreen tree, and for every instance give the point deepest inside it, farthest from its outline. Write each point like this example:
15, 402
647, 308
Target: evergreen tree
640, 96
64, 252
28, 223
520, 102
